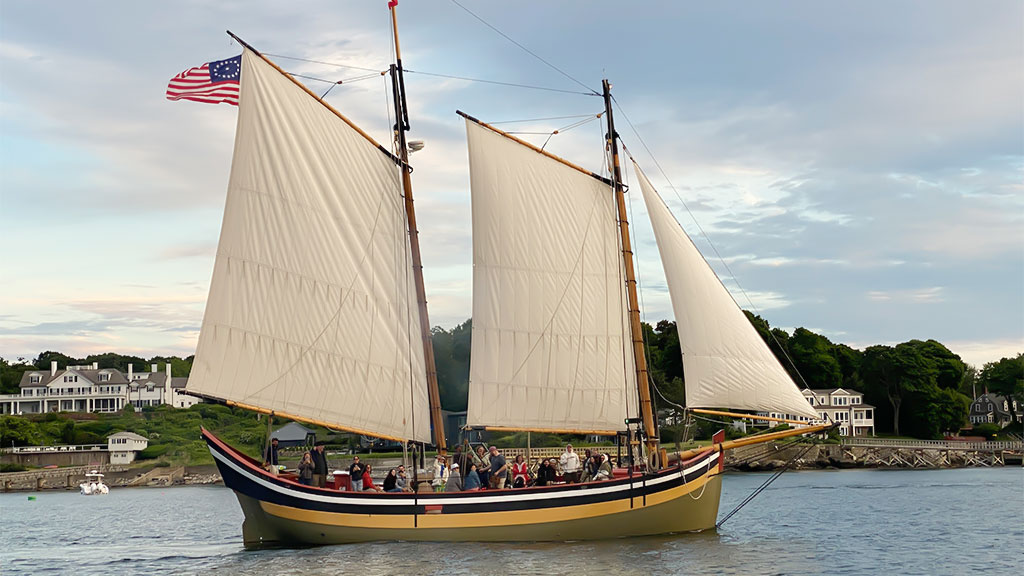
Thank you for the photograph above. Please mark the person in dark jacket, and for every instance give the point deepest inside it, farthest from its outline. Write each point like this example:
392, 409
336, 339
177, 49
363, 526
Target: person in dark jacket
355, 472
546, 473
270, 457
319, 466
306, 469
391, 482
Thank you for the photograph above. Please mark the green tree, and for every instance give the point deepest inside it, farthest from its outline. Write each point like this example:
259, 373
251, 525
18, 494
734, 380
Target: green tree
42, 362
1004, 377
451, 357
10, 375
895, 373
812, 354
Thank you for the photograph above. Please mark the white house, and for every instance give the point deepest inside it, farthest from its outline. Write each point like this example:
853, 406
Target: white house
94, 389
74, 389
152, 389
846, 407
123, 447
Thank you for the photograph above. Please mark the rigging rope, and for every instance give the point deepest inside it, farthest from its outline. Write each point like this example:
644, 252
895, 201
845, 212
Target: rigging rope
762, 487
525, 49
499, 83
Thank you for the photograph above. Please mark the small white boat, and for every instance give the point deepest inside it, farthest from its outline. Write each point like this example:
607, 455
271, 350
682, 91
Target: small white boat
93, 484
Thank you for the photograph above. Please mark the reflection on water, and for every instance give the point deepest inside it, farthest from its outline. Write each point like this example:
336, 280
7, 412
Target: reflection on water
838, 522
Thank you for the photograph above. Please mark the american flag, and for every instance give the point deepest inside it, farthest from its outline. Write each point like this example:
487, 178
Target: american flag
212, 83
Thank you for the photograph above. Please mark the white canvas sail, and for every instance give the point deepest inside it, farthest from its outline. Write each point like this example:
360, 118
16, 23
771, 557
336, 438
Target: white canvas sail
312, 309
551, 346
725, 361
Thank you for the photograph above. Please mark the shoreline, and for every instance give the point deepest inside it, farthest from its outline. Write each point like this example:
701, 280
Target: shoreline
765, 458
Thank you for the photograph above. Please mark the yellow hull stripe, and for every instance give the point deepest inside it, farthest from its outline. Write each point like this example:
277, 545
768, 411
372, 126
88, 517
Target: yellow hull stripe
483, 519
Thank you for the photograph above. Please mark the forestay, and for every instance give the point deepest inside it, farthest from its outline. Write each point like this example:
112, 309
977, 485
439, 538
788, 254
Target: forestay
312, 310
551, 347
725, 361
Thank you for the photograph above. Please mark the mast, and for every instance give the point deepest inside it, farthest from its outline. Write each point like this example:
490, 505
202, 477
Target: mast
401, 127
639, 355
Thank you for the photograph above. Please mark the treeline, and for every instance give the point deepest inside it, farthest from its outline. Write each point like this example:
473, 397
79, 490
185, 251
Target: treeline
919, 388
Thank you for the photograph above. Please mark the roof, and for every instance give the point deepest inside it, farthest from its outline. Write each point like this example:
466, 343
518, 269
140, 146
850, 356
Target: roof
93, 376
179, 381
291, 432
980, 405
129, 435
844, 408
830, 391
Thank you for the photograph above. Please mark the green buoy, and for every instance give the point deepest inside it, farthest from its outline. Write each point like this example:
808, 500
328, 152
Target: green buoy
31, 497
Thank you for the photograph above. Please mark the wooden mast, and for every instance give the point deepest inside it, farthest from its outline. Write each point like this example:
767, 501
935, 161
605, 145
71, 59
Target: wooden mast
639, 355
401, 126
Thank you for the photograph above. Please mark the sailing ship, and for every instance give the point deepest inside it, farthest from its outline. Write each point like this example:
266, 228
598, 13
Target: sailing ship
317, 313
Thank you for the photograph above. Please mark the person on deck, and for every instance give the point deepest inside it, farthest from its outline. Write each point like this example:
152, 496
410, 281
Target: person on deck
570, 463
604, 469
545, 473
471, 482
520, 474
402, 481
306, 470
355, 474
368, 481
441, 474
590, 466
483, 465
319, 466
459, 457
454, 480
270, 457
391, 482
499, 469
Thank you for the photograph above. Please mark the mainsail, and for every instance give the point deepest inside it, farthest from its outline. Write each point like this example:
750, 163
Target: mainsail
551, 346
725, 361
312, 311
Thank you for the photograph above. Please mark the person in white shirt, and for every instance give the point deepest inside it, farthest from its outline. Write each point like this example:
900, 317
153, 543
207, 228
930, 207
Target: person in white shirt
569, 462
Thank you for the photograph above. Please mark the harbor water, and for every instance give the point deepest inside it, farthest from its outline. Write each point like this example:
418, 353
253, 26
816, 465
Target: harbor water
815, 522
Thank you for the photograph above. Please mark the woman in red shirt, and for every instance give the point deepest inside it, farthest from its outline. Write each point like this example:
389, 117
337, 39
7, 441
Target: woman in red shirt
368, 482
520, 475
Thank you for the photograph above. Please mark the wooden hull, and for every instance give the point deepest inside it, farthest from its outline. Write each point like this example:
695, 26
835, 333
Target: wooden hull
281, 513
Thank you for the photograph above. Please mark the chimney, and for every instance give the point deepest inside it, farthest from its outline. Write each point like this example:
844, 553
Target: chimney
131, 370
168, 393
53, 367
153, 368
95, 365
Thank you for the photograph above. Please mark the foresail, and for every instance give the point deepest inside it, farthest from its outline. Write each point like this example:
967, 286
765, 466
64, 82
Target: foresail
725, 361
312, 311
551, 346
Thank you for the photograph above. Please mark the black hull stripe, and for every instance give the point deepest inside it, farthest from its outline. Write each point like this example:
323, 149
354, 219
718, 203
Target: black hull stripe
274, 490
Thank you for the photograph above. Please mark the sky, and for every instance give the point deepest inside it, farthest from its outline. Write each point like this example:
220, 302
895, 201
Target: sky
853, 168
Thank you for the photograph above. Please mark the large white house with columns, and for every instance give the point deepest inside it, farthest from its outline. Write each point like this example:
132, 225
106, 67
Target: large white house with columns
845, 407
94, 389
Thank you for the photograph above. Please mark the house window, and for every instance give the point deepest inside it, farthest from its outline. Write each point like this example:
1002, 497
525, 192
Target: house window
867, 414
104, 377
34, 379
855, 400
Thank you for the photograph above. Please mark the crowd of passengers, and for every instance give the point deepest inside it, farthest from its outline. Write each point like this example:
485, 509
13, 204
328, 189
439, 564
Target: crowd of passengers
466, 471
